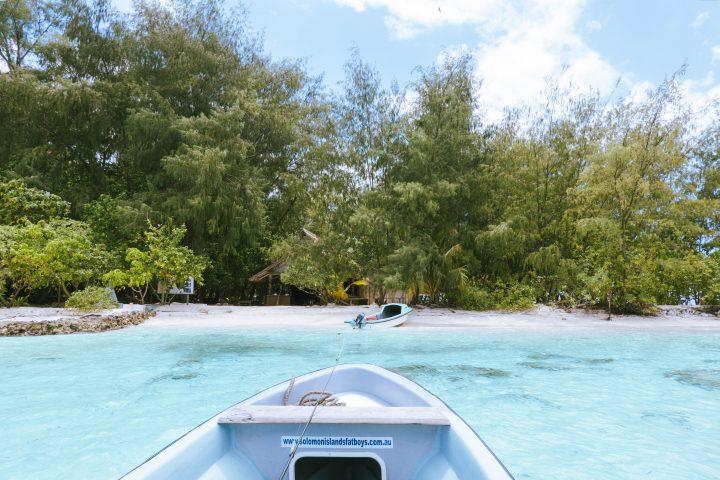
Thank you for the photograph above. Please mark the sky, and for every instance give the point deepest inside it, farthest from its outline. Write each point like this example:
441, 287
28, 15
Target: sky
516, 44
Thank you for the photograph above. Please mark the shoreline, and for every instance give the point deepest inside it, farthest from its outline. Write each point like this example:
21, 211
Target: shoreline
178, 316
541, 317
32, 321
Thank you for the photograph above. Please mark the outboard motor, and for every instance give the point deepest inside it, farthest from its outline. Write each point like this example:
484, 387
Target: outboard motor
359, 320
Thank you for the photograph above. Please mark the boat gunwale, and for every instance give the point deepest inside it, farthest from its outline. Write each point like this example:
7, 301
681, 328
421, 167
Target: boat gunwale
384, 320
203, 423
374, 366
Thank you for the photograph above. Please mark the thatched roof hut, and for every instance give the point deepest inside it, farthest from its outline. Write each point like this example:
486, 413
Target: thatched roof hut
276, 292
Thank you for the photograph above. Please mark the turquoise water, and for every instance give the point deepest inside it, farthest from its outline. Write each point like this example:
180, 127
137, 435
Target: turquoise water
575, 405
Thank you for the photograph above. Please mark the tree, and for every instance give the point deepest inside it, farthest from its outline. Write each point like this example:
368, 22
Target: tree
624, 195
318, 267
370, 131
523, 222
53, 254
24, 27
118, 222
705, 183
137, 276
21, 203
420, 267
367, 117
189, 53
175, 111
6, 241
434, 189
161, 260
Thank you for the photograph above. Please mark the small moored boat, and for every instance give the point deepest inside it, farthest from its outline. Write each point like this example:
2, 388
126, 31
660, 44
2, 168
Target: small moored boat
376, 425
391, 315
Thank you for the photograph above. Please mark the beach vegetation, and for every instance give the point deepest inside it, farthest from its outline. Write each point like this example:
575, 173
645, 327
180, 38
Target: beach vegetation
91, 298
318, 267
136, 148
117, 222
58, 255
21, 204
162, 260
512, 296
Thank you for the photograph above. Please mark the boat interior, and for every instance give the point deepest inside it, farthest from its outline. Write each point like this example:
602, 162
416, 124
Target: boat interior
406, 434
333, 468
390, 310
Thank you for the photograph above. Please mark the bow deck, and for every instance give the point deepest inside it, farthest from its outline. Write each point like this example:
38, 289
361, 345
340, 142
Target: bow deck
257, 414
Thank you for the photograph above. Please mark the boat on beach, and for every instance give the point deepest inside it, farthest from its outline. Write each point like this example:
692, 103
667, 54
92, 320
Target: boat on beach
390, 315
354, 421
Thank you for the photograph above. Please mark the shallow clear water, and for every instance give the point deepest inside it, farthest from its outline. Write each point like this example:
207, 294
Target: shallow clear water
576, 405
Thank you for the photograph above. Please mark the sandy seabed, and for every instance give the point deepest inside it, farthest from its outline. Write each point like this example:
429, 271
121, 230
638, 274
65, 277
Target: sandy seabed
181, 316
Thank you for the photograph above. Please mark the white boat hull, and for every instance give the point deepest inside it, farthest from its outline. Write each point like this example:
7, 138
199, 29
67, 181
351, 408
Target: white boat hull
395, 322
390, 428
383, 319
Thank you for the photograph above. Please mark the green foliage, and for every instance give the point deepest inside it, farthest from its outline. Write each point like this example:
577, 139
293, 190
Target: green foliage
503, 247
137, 276
57, 254
509, 296
555, 279
711, 292
91, 299
116, 222
21, 203
161, 260
176, 112
317, 266
420, 268
24, 25
215, 187
7, 234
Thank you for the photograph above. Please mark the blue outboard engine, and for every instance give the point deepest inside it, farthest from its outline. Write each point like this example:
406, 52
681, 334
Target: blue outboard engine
359, 320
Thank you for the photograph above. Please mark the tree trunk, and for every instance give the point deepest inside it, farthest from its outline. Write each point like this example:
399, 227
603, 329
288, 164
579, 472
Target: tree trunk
415, 294
380, 296
64, 290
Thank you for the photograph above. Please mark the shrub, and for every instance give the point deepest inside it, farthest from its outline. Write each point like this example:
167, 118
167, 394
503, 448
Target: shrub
163, 260
500, 296
22, 203
57, 253
91, 299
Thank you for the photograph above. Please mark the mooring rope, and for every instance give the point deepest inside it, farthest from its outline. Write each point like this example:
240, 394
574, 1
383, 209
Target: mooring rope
311, 398
318, 401
288, 391
316, 397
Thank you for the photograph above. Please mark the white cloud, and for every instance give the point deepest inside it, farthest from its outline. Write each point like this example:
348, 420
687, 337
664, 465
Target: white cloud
702, 97
715, 53
593, 26
406, 18
521, 44
700, 19
124, 6
641, 91
541, 43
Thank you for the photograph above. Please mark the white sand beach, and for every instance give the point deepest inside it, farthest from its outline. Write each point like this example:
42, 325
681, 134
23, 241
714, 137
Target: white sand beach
332, 317
200, 316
